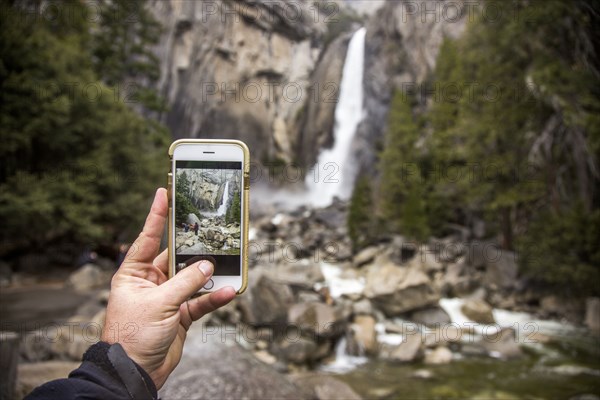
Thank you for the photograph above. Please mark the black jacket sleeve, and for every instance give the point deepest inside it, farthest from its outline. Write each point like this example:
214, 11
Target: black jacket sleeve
105, 373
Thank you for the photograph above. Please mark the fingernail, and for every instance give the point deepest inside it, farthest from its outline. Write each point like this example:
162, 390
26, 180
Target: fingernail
206, 267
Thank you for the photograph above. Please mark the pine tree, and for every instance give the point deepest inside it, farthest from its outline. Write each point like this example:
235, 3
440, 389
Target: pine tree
361, 215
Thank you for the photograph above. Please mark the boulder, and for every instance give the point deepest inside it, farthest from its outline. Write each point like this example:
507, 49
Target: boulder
365, 256
301, 273
362, 306
430, 316
64, 342
325, 387
364, 335
501, 269
265, 357
396, 290
502, 345
592, 314
297, 350
266, 303
478, 310
441, 355
87, 277
316, 319
409, 350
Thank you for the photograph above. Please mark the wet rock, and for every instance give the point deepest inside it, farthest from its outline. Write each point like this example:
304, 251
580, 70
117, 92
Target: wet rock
502, 345
478, 311
32, 375
430, 316
592, 314
408, 350
364, 335
396, 290
317, 318
87, 277
441, 355
324, 387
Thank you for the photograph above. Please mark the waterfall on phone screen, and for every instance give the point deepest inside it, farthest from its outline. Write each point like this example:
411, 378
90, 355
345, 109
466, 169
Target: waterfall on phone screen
223, 207
333, 174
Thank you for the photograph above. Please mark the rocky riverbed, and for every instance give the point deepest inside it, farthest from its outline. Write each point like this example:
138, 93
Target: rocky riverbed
397, 319
214, 236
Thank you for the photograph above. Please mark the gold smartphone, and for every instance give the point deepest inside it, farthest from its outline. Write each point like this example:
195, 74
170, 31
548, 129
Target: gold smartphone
208, 189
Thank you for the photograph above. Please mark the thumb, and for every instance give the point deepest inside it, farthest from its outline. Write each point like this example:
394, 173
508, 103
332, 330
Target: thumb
187, 282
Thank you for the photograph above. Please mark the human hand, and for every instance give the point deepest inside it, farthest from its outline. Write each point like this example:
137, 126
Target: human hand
148, 314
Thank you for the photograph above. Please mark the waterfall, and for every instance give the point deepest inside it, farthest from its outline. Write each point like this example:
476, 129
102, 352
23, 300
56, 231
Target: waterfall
332, 175
223, 207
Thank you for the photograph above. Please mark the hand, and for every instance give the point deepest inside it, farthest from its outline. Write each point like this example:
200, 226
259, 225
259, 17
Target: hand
150, 315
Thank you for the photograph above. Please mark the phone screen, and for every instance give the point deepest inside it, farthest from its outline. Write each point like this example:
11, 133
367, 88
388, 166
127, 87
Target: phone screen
208, 214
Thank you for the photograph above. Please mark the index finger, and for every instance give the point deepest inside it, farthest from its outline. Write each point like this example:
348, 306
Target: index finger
146, 246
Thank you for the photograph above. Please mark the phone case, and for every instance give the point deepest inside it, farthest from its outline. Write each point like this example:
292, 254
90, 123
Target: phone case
246, 194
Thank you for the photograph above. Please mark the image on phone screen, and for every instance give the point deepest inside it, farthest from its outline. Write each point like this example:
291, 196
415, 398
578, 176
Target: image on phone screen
208, 214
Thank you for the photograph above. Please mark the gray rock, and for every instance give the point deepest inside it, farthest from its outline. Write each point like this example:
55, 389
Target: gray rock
363, 335
409, 350
87, 277
478, 310
266, 302
301, 273
365, 256
430, 316
234, 373
325, 387
440, 355
362, 306
396, 290
297, 350
502, 345
501, 269
592, 314
317, 319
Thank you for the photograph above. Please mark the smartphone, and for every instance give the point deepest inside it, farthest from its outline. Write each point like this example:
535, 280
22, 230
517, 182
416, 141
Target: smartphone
208, 190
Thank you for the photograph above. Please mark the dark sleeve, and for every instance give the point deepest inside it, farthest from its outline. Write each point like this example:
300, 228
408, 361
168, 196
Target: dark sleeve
105, 373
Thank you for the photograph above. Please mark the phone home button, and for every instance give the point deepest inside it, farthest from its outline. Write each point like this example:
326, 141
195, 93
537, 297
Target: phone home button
209, 285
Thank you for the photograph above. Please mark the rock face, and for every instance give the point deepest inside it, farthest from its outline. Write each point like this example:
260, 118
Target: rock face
396, 290
248, 70
401, 52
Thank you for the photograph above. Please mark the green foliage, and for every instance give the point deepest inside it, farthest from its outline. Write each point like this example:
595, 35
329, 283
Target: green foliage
234, 212
361, 214
76, 163
561, 250
182, 199
402, 192
122, 49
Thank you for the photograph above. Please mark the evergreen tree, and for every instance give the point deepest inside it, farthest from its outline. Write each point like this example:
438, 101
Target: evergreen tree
76, 164
234, 212
182, 199
361, 215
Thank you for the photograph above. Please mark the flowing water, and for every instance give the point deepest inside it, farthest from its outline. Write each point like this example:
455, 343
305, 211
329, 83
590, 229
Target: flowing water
567, 366
332, 175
